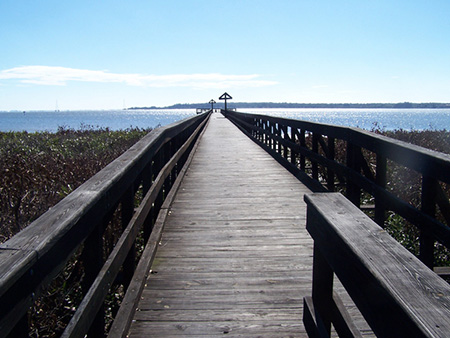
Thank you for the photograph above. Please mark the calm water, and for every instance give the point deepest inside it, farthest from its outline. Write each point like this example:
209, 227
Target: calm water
387, 119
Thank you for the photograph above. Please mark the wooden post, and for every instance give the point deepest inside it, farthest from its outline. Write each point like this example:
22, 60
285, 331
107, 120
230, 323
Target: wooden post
302, 145
322, 288
330, 172
272, 133
294, 154
159, 163
380, 180
315, 149
429, 192
277, 142
353, 191
285, 137
92, 258
127, 208
147, 183
262, 136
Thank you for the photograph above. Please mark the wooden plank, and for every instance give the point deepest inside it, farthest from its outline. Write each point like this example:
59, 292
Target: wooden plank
215, 315
260, 328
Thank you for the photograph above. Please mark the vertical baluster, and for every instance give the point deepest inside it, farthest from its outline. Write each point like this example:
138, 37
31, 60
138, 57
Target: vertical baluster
380, 180
147, 183
429, 192
285, 138
331, 155
167, 154
260, 130
274, 141
127, 213
353, 190
280, 147
92, 258
322, 288
294, 154
159, 159
303, 146
173, 150
315, 149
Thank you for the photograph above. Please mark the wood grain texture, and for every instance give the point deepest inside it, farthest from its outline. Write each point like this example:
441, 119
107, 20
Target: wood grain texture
398, 294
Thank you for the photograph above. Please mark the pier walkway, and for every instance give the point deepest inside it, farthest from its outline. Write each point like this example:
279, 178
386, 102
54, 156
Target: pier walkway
221, 206
235, 257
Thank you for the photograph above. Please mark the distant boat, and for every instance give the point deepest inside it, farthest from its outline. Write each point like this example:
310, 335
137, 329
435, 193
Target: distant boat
56, 107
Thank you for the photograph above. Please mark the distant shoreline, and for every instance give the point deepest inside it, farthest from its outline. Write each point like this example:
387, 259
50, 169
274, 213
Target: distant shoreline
247, 105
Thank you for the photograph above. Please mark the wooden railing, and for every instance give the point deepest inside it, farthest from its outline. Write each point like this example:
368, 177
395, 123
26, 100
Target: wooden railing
75, 227
309, 151
395, 292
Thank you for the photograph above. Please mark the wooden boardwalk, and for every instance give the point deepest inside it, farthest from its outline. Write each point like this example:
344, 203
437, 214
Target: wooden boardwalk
235, 257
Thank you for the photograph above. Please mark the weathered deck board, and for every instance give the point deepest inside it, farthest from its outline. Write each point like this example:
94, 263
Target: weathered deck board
235, 257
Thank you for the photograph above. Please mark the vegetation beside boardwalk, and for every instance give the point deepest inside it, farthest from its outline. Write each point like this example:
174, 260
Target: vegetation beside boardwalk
37, 170
407, 184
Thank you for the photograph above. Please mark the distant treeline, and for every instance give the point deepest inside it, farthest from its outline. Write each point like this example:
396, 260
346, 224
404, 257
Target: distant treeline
246, 105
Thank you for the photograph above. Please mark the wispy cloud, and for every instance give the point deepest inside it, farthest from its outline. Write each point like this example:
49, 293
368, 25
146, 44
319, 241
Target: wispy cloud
59, 76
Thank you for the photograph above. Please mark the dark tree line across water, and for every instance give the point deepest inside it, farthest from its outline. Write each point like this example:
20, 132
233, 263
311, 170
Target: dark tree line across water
246, 105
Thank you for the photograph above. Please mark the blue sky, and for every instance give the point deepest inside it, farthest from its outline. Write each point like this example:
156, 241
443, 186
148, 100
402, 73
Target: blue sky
110, 54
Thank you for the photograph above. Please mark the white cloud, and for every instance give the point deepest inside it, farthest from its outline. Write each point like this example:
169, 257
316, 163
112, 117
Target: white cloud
59, 76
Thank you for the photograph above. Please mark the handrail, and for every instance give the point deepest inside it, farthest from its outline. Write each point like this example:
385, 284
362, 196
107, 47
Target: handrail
308, 150
33, 257
395, 292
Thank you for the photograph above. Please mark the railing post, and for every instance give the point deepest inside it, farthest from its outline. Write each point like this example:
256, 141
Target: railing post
353, 191
260, 130
302, 145
322, 288
294, 154
159, 163
277, 142
271, 132
285, 138
257, 133
429, 192
92, 258
380, 181
127, 208
147, 183
173, 150
315, 149
331, 155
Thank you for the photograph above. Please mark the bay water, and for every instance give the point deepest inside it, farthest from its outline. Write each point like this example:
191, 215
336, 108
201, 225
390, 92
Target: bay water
386, 119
